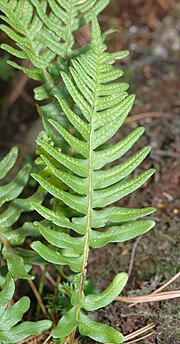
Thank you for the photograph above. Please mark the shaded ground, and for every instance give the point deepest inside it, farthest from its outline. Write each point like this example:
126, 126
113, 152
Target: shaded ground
152, 74
151, 71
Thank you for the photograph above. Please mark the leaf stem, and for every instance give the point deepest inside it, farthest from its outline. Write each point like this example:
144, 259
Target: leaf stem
86, 246
89, 207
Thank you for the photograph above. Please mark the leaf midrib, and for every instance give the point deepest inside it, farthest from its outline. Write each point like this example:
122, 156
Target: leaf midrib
90, 189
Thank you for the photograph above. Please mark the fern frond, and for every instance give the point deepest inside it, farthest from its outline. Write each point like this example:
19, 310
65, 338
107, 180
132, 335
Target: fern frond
43, 32
101, 107
10, 332
9, 196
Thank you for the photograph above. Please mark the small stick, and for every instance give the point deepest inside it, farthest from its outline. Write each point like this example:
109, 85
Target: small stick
140, 331
161, 288
138, 339
40, 291
5, 242
50, 279
47, 339
67, 340
72, 336
150, 298
38, 297
48, 276
132, 255
167, 283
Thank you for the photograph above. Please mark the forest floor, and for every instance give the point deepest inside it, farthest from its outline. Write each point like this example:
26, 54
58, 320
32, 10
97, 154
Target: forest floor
151, 71
152, 74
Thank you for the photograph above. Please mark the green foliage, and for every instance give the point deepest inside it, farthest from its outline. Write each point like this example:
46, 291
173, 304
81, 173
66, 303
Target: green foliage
88, 106
10, 237
100, 107
43, 32
60, 302
9, 332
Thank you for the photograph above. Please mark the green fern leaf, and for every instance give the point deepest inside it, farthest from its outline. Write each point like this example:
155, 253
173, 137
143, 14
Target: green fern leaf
120, 233
65, 258
43, 32
16, 207
9, 236
99, 332
66, 325
8, 162
93, 302
100, 107
14, 188
61, 240
9, 331
57, 219
7, 293
16, 265
24, 330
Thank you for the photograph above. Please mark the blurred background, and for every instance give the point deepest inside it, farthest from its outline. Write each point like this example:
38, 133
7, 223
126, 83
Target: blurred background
150, 30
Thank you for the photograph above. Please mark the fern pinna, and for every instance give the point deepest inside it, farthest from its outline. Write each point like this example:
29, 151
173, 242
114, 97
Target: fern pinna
100, 108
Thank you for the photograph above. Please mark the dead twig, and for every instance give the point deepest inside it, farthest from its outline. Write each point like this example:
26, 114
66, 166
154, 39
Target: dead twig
47, 339
139, 332
138, 339
162, 287
48, 276
38, 297
29, 100
155, 296
167, 283
151, 297
132, 255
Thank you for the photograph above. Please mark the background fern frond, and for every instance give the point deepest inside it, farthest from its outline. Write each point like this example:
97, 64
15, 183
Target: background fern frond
43, 32
101, 107
12, 208
9, 333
